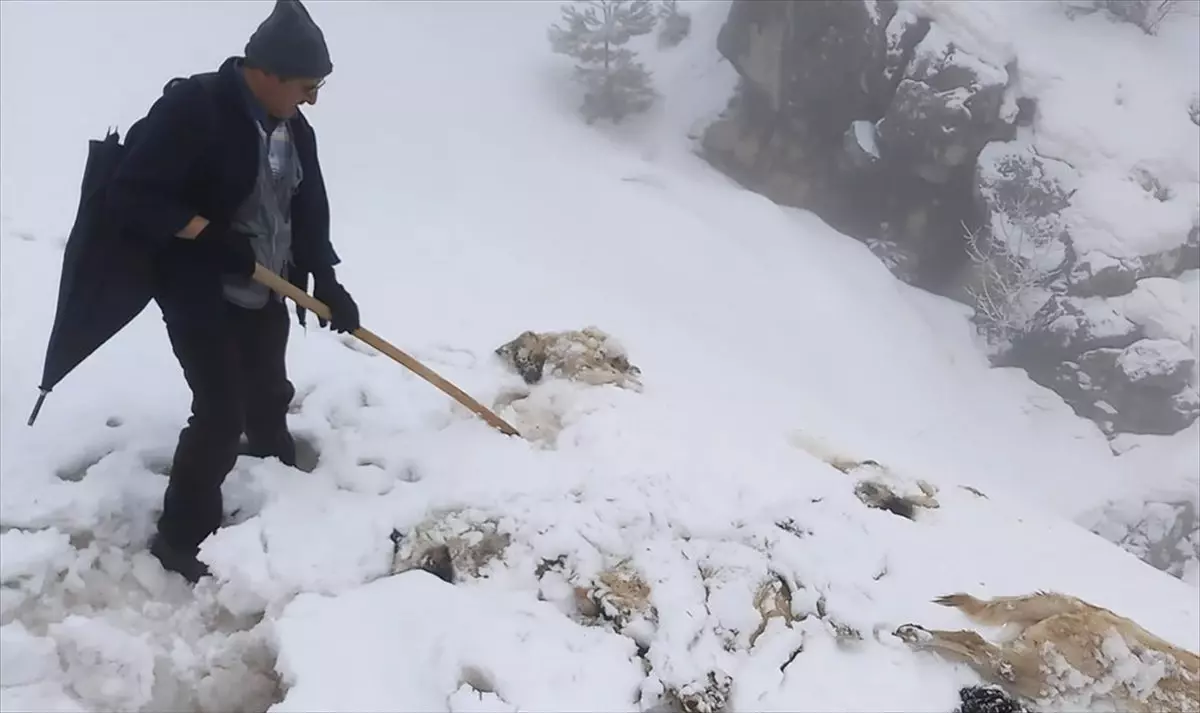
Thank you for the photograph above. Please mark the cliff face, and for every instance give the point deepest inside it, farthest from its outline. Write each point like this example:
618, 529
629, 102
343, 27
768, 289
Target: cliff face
976, 150
865, 113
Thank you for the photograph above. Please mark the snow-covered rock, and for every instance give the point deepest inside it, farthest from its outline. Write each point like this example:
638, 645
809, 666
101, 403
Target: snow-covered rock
829, 52
945, 109
1143, 388
1068, 326
815, 76
1128, 361
862, 144
1098, 274
1158, 519
1073, 173
1160, 363
1023, 196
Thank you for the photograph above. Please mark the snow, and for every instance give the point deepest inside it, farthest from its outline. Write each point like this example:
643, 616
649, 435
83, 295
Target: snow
937, 53
872, 10
1153, 358
455, 641
1114, 214
470, 203
1023, 228
1111, 120
1160, 306
1152, 521
864, 137
1098, 318
903, 20
1112, 102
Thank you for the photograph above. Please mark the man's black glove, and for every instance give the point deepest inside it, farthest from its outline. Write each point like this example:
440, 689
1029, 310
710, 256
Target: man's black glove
342, 308
230, 249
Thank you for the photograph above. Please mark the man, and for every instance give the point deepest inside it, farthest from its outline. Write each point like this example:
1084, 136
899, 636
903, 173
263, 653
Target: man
220, 174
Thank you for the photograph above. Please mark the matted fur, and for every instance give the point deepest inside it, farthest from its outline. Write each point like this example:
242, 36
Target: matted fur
877, 486
588, 355
1063, 649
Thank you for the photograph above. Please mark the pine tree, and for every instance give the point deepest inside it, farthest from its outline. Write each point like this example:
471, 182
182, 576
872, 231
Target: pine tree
596, 31
676, 24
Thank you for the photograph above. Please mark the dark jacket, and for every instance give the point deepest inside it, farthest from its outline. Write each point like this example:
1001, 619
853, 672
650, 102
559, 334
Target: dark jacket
196, 153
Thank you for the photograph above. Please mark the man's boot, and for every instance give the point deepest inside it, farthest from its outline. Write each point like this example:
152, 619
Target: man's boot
282, 446
178, 560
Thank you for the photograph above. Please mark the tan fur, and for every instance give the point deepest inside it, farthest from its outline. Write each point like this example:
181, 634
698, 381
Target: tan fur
773, 599
1056, 630
589, 355
621, 595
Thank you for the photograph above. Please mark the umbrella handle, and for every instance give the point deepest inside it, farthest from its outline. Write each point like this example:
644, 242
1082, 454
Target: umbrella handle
264, 276
37, 407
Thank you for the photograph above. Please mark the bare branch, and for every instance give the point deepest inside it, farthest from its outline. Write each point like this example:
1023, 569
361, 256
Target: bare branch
1010, 273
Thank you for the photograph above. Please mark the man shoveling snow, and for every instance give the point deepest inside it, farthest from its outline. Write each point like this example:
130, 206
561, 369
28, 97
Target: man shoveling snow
220, 175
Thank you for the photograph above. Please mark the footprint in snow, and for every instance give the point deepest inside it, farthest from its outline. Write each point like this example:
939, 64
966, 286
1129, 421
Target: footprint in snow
410, 473
159, 463
407, 473
62, 632
454, 356
76, 470
308, 456
355, 345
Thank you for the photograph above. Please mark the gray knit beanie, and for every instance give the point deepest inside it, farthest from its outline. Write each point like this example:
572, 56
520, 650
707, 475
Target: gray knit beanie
289, 44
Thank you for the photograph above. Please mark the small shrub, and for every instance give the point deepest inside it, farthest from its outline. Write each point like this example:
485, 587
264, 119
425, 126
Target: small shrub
1020, 252
616, 85
676, 24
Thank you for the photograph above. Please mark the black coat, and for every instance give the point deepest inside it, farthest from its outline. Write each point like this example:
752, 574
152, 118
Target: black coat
196, 152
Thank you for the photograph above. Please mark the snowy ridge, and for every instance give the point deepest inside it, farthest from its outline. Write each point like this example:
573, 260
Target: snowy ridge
709, 541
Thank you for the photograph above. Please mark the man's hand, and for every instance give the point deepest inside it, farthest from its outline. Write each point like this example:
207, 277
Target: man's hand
342, 308
229, 248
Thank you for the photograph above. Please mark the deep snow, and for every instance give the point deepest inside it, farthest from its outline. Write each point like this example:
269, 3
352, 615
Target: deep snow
470, 203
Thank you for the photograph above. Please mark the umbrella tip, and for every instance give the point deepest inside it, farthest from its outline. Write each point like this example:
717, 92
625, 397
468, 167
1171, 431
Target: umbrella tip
37, 407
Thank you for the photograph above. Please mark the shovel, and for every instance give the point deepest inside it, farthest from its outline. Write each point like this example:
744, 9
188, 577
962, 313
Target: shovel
265, 277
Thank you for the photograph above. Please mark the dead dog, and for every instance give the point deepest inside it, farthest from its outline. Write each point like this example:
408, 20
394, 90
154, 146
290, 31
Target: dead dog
589, 355
1067, 651
876, 486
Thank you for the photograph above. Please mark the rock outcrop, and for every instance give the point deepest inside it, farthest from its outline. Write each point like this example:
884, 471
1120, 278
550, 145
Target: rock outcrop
1111, 335
874, 118
864, 113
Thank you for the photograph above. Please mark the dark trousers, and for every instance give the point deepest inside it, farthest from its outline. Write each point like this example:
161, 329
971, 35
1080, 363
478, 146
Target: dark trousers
234, 363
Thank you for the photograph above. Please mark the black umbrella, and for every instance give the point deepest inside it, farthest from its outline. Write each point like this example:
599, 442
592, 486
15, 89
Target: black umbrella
105, 279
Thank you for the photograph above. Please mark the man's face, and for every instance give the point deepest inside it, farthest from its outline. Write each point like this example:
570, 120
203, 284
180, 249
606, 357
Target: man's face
286, 95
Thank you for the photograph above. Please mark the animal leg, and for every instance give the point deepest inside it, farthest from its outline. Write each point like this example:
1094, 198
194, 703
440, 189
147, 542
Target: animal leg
963, 646
1023, 611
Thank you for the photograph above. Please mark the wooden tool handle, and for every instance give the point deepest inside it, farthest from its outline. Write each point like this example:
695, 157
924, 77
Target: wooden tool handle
265, 277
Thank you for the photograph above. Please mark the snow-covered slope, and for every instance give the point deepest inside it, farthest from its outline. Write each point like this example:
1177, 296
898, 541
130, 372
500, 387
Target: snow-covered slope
1115, 110
470, 203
